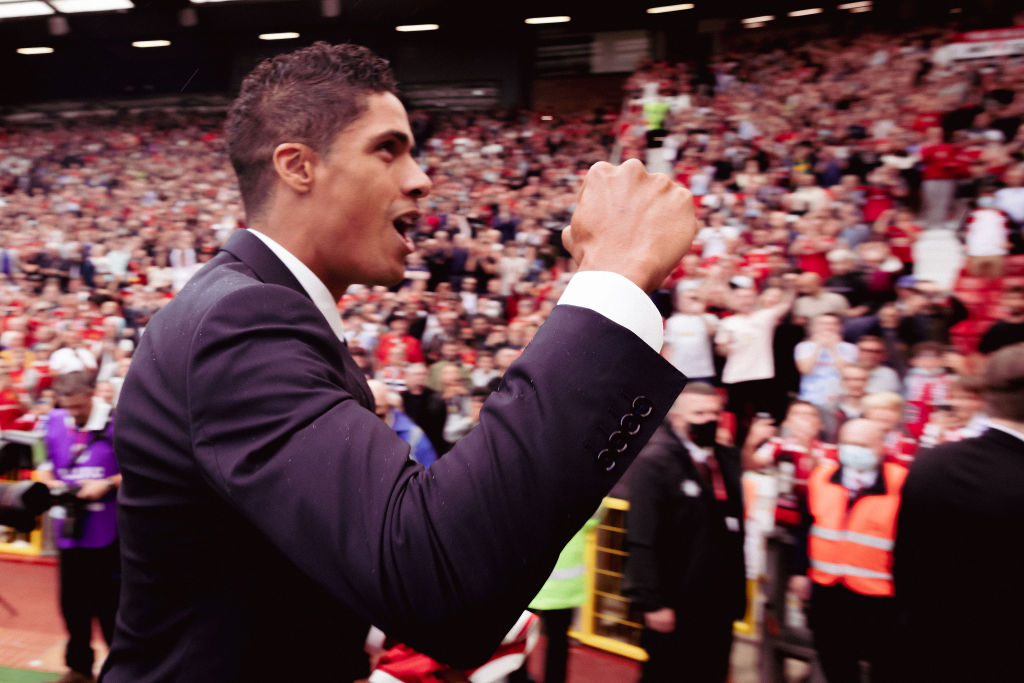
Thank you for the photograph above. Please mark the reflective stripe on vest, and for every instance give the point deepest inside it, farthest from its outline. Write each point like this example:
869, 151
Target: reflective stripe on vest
853, 537
567, 573
848, 570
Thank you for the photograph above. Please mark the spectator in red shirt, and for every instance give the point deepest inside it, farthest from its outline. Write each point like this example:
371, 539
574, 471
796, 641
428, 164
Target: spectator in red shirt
794, 452
398, 325
897, 227
942, 167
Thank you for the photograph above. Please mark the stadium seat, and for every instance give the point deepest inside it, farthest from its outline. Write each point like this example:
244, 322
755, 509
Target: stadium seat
969, 284
1015, 265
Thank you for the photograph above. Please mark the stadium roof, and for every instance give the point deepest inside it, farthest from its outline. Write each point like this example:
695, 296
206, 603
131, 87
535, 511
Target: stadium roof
207, 45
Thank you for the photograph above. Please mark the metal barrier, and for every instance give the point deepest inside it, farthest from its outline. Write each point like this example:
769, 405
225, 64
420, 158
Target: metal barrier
781, 639
604, 616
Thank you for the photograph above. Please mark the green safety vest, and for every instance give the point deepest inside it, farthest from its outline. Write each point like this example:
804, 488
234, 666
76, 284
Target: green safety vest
565, 587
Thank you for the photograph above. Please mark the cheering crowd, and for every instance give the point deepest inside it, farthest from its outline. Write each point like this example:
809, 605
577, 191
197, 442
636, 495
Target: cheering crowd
814, 170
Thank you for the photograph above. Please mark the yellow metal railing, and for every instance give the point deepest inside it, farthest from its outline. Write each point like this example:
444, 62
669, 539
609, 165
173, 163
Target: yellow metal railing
604, 616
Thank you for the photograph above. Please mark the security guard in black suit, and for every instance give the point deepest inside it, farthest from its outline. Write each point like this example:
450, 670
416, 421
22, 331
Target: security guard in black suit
685, 572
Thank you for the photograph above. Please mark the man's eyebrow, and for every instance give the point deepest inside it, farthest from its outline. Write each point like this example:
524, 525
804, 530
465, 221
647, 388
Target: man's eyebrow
397, 135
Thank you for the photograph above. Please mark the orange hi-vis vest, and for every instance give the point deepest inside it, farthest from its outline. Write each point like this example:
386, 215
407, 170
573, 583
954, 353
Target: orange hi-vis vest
853, 545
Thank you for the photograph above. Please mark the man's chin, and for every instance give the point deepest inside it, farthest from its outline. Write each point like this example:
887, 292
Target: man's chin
385, 279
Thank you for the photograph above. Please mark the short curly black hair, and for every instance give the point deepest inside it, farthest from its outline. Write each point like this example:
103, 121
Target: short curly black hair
305, 96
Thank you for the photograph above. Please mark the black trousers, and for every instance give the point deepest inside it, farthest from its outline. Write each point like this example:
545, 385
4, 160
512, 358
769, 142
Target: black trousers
850, 628
90, 582
695, 652
756, 396
555, 623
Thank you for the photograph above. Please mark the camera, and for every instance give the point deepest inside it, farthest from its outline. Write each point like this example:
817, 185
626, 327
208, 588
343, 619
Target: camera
22, 502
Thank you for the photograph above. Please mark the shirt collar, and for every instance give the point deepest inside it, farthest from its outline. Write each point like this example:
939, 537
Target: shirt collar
313, 285
1006, 430
98, 416
698, 454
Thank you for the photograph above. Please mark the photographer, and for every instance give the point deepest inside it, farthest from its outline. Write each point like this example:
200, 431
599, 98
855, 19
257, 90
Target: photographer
81, 454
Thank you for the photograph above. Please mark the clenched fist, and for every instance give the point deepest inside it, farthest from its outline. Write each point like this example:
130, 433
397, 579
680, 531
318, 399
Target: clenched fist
631, 222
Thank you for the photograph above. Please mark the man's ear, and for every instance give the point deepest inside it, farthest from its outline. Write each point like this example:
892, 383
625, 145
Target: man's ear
293, 163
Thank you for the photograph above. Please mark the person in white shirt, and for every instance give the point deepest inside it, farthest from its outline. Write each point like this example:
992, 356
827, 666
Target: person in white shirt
745, 339
715, 238
72, 356
987, 238
688, 335
1010, 199
820, 357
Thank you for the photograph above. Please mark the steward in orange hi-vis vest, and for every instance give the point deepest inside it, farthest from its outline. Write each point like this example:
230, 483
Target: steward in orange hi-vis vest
852, 543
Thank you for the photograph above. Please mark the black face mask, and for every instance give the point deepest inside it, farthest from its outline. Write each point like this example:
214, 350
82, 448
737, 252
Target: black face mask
703, 435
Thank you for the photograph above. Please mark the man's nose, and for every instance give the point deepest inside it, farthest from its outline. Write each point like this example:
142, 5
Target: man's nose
417, 183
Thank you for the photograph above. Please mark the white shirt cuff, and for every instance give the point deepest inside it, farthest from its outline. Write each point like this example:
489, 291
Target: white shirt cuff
619, 299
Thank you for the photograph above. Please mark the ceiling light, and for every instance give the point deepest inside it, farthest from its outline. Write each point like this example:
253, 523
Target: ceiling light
203, 2
58, 25
669, 8
35, 50
756, 24
151, 43
69, 6
409, 28
547, 20
858, 10
805, 12
287, 35
758, 20
855, 5
9, 10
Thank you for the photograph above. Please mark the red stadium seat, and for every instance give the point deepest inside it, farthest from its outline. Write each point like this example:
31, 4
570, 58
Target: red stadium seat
1015, 265
994, 312
994, 295
970, 284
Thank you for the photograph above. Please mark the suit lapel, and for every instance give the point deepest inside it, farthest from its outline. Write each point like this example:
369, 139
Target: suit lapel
251, 251
248, 249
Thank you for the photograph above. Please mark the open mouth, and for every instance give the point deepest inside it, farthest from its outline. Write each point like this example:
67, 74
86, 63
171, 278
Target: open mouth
405, 223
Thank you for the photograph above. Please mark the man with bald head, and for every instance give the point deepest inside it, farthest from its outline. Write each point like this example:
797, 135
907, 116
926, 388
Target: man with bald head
425, 406
815, 300
388, 407
851, 513
959, 556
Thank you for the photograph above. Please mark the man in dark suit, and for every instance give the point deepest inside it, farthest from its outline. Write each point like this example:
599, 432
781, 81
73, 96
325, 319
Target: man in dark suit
426, 408
959, 556
684, 532
267, 515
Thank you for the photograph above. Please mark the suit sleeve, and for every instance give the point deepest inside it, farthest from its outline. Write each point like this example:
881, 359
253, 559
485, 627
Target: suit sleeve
443, 559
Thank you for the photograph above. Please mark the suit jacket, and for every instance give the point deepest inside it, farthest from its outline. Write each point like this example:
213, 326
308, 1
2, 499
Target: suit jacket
268, 516
959, 560
684, 552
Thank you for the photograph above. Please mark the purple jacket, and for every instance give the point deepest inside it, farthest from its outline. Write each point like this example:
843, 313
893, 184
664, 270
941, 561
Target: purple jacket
96, 461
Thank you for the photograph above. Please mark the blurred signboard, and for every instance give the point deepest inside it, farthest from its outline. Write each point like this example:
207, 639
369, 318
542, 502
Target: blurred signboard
983, 44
